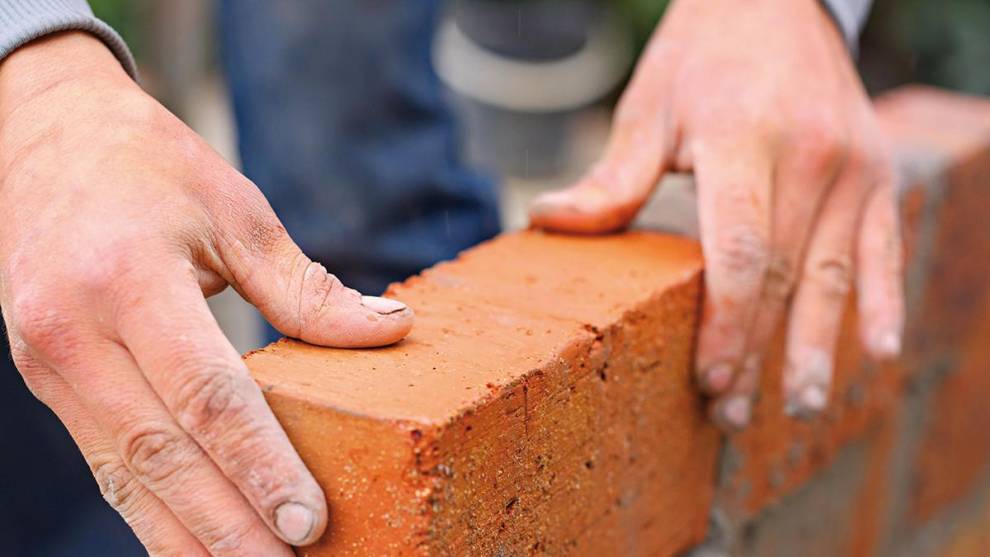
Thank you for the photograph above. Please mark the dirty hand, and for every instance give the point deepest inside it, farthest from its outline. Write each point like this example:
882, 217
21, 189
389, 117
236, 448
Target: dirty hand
795, 189
117, 221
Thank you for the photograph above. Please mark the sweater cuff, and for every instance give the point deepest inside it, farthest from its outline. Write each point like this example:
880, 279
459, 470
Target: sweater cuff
22, 21
850, 17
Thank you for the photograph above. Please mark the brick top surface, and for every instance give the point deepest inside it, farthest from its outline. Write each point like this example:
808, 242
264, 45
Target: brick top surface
934, 122
483, 321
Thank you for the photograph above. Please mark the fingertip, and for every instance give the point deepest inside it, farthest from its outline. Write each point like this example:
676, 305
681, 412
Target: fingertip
297, 524
716, 379
732, 413
395, 319
383, 306
550, 203
361, 322
583, 209
884, 345
881, 330
721, 346
807, 403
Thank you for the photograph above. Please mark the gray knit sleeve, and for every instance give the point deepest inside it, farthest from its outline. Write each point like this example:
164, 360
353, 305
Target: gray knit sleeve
850, 16
22, 21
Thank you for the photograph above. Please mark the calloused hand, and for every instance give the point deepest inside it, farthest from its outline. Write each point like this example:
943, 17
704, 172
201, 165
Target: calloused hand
795, 186
117, 221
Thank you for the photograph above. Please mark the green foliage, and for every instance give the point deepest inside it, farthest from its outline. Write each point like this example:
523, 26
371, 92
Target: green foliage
643, 16
948, 40
120, 15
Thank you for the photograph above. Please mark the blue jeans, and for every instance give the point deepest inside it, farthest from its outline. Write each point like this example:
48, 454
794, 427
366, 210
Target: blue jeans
343, 126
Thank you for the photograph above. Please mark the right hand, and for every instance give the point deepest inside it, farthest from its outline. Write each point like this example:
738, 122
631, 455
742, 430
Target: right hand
117, 221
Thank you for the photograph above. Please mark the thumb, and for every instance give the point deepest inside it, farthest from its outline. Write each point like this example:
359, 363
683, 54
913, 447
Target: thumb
301, 299
610, 196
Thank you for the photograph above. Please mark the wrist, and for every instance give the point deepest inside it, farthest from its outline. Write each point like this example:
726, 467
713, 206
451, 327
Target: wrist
47, 63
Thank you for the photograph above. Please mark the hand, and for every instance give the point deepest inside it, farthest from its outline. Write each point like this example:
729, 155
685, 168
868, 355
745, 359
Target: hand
795, 190
117, 220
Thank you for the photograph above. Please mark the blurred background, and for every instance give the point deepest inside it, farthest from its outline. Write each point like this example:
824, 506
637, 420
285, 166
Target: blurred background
497, 56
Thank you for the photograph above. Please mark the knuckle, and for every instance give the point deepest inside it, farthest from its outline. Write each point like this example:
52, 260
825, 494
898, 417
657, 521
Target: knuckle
210, 396
872, 164
781, 275
832, 276
319, 288
226, 539
824, 152
821, 144
41, 322
880, 166
155, 455
117, 485
741, 251
107, 268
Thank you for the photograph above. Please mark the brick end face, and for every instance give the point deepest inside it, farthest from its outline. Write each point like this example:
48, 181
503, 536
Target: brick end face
544, 404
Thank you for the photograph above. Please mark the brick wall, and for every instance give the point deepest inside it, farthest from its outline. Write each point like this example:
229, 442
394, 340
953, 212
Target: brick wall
544, 403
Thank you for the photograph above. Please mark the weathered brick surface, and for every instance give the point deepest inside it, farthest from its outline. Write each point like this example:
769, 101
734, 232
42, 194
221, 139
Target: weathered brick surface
943, 144
779, 454
948, 348
969, 537
544, 402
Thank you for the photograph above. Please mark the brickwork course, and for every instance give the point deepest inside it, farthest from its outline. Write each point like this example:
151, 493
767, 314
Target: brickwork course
544, 403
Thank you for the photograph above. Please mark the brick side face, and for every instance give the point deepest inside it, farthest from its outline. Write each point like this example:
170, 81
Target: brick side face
544, 403
538, 407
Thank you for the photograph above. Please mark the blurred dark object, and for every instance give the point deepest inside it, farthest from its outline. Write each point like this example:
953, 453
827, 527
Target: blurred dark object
537, 30
939, 42
521, 71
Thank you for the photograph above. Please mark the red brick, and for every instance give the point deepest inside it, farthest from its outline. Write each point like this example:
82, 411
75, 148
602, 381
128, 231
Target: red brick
778, 454
543, 403
943, 142
969, 538
947, 346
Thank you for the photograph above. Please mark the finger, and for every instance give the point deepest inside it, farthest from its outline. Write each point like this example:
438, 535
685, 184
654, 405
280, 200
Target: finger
805, 172
880, 283
612, 193
734, 181
297, 295
732, 411
205, 385
156, 527
163, 457
822, 295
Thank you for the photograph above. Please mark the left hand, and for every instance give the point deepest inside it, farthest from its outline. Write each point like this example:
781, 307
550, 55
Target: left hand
795, 189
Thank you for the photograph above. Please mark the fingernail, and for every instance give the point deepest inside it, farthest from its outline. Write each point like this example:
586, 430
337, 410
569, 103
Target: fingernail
384, 306
887, 344
718, 377
549, 202
294, 522
736, 411
814, 398
808, 403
